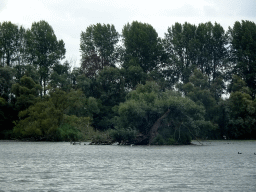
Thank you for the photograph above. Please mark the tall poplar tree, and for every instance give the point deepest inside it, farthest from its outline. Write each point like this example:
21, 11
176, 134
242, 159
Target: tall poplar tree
243, 52
142, 46
98, 48
180, 46
11, 38
44, 49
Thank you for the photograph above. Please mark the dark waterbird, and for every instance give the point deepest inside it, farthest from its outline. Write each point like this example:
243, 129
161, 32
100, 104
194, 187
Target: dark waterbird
239, 153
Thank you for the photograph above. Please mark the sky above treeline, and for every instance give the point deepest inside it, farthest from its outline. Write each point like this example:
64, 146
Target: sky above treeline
69, 18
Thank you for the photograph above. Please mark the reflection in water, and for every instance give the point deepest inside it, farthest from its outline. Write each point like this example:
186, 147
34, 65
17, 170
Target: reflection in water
46, 166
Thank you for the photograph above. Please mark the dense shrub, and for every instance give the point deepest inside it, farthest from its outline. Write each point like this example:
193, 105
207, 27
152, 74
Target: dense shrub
123, 136
69, 133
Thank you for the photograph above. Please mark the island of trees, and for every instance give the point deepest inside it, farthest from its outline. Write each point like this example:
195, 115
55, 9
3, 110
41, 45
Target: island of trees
198, 82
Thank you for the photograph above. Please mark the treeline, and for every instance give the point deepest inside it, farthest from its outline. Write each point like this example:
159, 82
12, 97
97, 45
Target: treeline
199, 81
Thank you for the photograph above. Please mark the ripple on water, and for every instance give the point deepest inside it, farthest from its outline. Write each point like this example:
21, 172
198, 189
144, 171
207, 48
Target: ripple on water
49, 166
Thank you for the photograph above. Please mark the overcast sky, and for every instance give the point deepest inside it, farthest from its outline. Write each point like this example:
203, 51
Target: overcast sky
68, 18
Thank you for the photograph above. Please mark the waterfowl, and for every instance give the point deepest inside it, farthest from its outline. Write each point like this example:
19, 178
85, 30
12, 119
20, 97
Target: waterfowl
239, 153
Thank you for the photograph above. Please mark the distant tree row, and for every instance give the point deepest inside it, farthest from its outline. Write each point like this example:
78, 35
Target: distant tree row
140, 87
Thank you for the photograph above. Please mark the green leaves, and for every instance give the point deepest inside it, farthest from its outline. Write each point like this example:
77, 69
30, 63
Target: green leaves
10, 43
98, 47
44, 49
146, 105
26, 92
6, 81
42, 120
141, 43
190, 47
243, 46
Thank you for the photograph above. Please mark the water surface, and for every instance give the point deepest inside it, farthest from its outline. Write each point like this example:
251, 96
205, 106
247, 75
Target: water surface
59, 166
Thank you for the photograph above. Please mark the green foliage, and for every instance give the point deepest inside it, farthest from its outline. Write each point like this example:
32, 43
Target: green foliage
6, 81
242, 116
147, 104
7, 116
123, 136
141, 109
45, 49
101, 138
198, 90
238, 84
158, 140
110, 86
170, 141
26, 93
98, 48
126, 84
61, 76
142, 46
69, 133
133, 76
11, 47
42, 120
243, 46
179, 43
80, 125
39, 121
82, 82
184, 138
189, 47
109, 91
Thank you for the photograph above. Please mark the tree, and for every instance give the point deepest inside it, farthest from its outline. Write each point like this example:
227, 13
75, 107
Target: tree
142, 45
242, 124
243, 54
6, 81
139, 111
133, 76
198, 90
44, 119
61, 76
8, 42
180, 46
26, 93
211, 50
152, 112
98, 47
7, 116
109, 92
44, 49
190, 47
111, 86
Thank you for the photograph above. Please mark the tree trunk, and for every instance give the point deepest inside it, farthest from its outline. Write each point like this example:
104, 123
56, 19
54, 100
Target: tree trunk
154, 128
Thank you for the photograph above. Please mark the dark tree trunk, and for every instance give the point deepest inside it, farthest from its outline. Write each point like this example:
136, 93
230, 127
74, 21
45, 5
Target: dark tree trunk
154, 128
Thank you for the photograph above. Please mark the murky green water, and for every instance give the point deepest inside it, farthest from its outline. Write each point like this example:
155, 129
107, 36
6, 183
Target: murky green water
46, 166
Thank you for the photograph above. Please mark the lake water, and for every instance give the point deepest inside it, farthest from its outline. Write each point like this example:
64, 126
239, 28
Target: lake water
59, 166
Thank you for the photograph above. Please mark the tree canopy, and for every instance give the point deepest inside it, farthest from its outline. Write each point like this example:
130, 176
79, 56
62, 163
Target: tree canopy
198, 81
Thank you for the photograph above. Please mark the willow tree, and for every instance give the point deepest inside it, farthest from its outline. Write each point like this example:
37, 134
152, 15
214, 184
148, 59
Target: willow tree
152, 112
